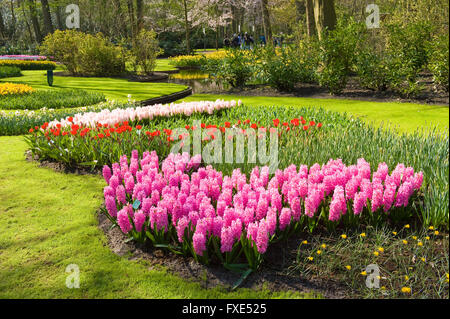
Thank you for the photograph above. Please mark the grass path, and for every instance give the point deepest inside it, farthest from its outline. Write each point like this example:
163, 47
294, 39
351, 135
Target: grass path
113, 88
407, 117
47, 221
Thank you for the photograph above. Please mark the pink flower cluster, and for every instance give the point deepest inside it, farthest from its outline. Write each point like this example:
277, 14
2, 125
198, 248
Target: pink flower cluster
23, 57
111, 117
182, 196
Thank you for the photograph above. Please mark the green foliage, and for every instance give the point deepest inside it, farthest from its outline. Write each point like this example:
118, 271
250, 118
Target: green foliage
438, 60
282, 71
407, 54
372, 70
236, 68
52, 99
145, 51
9, 71
85, 54
338, 53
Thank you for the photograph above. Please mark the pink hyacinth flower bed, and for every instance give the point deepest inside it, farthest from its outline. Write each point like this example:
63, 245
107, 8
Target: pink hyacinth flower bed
111, 117
23, 57
197, 211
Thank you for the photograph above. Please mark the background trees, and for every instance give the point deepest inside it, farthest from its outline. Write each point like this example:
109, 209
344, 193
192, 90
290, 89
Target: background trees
189, 24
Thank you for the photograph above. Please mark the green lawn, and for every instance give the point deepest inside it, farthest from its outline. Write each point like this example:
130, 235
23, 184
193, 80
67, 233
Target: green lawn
113, 88
407, 117
48, 221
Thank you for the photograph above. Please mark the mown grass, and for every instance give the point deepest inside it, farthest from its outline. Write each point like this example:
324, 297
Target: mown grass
404, 117
112, 88
48, 222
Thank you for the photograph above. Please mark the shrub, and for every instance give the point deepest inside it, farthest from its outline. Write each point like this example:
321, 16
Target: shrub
188, 61
337, 54
372, 70
63, 46
29, 65
407, 54
9, 71
85, 54
145, 51
236, 68
439, 61
52, 99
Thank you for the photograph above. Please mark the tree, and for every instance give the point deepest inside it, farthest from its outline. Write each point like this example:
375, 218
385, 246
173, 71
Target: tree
310, 21
48, 25
325, 16
34, 20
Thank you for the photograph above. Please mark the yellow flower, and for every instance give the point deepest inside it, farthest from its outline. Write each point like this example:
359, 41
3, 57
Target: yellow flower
395, 233
406, 278
344, 236
427, 238
310, 258
304, 242
420, 244
423, 259
319, 252
348, 267
383, 288
436, 232
15, 89
363, 235
364, 273
414, 237
431, 228
405, 242
324, 246
446, 275
376, 253
406, 290
380, 249
407, 226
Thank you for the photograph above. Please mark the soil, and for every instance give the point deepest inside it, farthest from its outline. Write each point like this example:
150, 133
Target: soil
273, 274
156, 76
430, 95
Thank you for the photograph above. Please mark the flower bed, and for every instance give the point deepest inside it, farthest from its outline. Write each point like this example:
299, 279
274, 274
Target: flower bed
29, 65
200, 212
12, 89
23, 57
51, 99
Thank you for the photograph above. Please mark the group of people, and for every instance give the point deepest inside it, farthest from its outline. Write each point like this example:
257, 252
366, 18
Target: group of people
247, 42
243, 41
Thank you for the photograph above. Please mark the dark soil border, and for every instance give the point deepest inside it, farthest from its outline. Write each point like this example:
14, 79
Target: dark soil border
165, 99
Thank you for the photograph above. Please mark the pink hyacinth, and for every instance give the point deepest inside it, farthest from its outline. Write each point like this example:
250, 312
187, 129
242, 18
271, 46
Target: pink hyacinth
139, 220
199, 243
106, 173
285, 218
262, 237
111, 207
338, 204
124, 221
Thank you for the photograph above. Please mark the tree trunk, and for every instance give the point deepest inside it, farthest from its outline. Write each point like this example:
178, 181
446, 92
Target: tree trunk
13, 20
59, 21
48, 25
2, 27
140, 15
310, 21
186, 23
266, 21
131, 15
34, 20
325, 16
26, 22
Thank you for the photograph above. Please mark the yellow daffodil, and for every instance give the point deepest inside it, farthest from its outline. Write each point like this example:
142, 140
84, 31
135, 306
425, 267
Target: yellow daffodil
323, 246
381, 249
319, 252
395, 233
405, 242
406, 278
310, 258
420, 244
364, 273
407, 226
436, 232
304, 242
15, 89
363, 235
348, 267
344, 236
406, 290
414, 237
376, 253
431, 228
423, 259
427, 238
